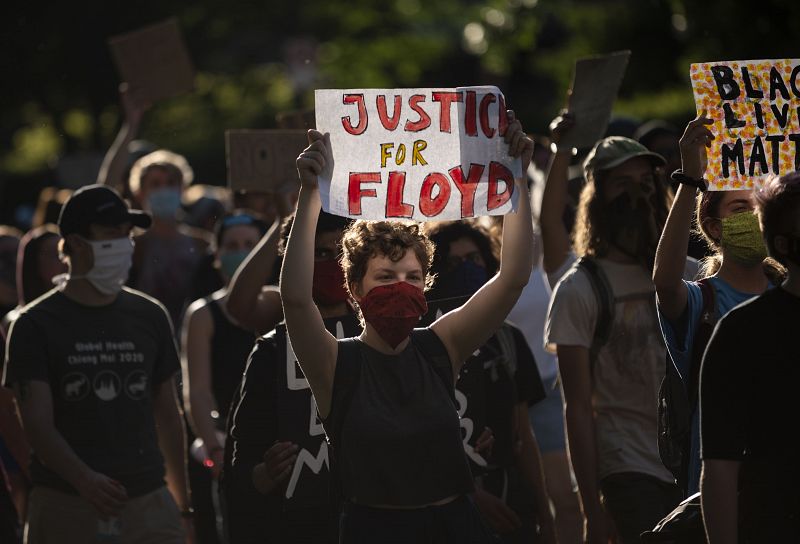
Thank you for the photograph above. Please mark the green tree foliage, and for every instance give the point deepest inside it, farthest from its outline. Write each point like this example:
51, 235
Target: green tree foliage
256, 59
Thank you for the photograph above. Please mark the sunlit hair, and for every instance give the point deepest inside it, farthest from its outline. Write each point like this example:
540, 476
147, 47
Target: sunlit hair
366, 239
591, 234
173, 164
708, 207
778, 207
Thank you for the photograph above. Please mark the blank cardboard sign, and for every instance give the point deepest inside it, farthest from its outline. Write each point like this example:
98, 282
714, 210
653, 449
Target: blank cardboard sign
594, 90
154, 60
264, 160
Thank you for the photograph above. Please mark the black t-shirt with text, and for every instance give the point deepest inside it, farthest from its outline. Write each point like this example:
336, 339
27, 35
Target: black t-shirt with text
508, 376
102, 364
749, 409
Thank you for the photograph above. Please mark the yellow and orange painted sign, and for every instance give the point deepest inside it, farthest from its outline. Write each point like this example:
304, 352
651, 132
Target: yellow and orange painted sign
755, 105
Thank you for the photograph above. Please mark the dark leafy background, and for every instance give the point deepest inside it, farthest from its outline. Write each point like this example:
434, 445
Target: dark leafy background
255, 59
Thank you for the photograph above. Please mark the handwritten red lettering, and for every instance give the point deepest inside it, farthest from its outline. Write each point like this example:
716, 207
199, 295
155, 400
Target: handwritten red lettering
355, 193
498, 173
445, 99
395, 207
424, 119
487, 99
357, 99
467, 187
433, 205
389, 123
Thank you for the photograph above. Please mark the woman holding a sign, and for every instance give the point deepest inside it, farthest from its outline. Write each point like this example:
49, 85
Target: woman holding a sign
738, 270
387, 396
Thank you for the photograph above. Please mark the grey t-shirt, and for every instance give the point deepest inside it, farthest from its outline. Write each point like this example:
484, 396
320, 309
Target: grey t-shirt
628, 369
102, 364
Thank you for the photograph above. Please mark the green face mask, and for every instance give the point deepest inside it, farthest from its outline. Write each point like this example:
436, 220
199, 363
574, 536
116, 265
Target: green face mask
742, 239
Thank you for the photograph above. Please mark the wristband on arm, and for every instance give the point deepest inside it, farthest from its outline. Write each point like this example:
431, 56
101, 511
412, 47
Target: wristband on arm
679, 177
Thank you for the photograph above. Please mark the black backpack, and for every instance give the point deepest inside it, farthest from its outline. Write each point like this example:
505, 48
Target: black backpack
676, 401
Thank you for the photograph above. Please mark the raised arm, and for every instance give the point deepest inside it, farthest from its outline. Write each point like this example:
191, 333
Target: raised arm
314, 346
467, 328
113, 166
555, 237
254, 306
198, 397
673, 245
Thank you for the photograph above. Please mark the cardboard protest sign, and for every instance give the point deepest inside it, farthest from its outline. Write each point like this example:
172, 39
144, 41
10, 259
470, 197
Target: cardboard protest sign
594, 89
298, 421
154, 61
264, 160
422, 154
755, 105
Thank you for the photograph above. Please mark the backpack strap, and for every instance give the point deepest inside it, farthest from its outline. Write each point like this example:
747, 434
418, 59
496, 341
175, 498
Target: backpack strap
345, 380
434, 350
702, 334
605, 305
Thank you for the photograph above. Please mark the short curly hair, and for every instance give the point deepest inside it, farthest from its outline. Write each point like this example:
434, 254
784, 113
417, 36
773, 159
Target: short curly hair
366, 239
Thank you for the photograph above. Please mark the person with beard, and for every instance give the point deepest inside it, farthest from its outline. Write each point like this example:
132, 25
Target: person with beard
386, 397
610, 384
498, 383
738, 270
748, 394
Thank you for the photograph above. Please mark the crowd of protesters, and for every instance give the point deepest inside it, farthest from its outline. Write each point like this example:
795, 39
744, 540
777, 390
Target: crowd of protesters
512, 379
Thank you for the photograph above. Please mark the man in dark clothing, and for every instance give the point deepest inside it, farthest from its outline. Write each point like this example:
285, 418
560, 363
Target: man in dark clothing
93, 366
748, 395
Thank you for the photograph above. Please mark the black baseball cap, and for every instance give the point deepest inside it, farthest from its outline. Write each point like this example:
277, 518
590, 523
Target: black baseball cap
100, 205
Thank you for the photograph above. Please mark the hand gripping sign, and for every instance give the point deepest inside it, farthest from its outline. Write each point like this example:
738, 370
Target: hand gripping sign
755, 105
421, 154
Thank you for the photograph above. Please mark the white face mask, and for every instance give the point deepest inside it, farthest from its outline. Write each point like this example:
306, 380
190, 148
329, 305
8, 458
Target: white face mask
112, 262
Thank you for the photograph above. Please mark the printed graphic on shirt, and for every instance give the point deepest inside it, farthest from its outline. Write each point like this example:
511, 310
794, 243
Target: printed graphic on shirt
106, 385
136, 384
108, 368
298, 421
75, 386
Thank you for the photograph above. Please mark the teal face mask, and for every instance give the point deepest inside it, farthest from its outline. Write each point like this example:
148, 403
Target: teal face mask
742, 239
164, 203
229, 262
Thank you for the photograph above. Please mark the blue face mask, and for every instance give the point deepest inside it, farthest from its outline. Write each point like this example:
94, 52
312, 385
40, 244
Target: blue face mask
164, 203
464, 280
229, 262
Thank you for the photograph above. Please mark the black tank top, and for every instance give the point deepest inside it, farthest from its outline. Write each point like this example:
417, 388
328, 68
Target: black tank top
230, 347
400, 441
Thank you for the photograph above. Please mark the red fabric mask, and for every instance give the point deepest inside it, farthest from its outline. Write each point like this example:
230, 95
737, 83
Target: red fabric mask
393, 310
328, 288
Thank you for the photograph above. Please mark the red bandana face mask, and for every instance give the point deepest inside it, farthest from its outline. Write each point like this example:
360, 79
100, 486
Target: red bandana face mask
328, 288
393, 310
